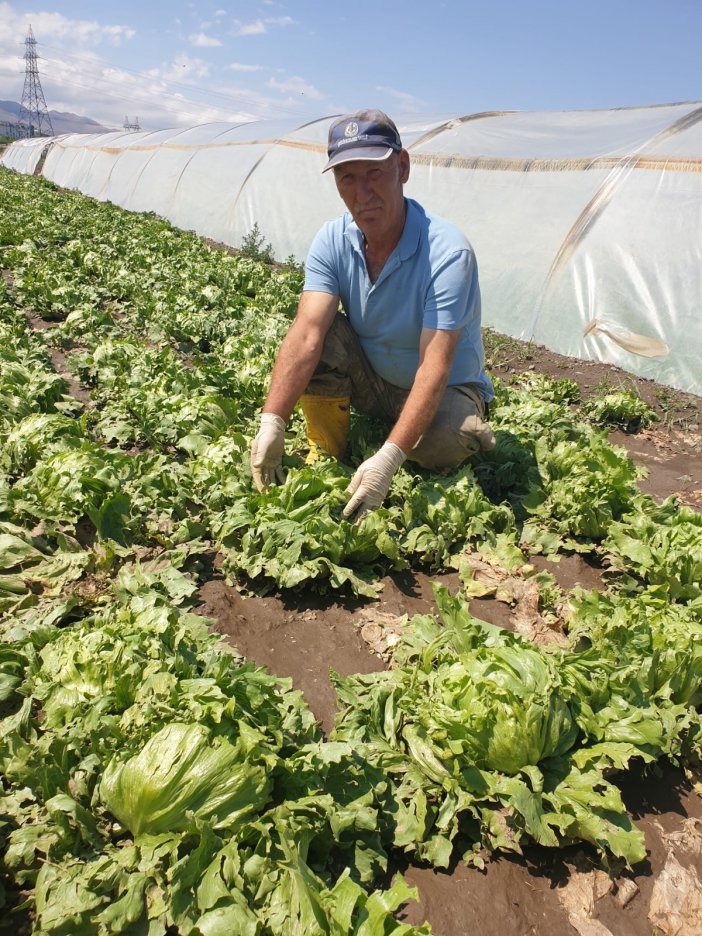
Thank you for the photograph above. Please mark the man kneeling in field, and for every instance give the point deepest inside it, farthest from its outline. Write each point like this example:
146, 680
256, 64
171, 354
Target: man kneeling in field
406, 347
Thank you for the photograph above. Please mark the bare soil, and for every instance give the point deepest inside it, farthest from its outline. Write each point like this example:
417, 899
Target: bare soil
305, 636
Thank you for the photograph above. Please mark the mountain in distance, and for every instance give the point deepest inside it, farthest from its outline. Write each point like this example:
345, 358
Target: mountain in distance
61, 121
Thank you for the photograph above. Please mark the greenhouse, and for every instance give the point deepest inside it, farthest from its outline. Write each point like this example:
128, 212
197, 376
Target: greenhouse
587, 224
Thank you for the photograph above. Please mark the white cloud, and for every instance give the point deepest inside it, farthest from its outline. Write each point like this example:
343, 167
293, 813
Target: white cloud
56, 27
220, 13
182, 68
178, 92
295, 85
203, 41
68, 69
256, 28
260, 26
167, 96
115, 34
240, 67
408, 102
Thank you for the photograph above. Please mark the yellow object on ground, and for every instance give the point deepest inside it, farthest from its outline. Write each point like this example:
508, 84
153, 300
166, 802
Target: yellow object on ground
327, 420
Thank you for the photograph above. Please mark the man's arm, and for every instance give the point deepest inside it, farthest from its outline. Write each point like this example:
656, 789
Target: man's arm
436, 353
300, 352
297, 358
371, 482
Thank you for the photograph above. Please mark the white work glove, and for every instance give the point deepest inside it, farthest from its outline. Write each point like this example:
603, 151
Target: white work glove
267, 452
370, 485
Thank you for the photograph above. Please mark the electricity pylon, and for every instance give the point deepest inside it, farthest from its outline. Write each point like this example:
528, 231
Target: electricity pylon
33, 109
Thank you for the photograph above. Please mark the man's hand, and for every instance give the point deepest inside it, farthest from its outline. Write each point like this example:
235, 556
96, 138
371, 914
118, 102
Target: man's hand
370, 485
267, 452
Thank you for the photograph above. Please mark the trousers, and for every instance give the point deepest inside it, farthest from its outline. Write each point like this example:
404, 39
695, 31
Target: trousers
458, 429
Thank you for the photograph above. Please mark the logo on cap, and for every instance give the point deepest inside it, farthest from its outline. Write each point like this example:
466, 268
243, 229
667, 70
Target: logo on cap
351, 129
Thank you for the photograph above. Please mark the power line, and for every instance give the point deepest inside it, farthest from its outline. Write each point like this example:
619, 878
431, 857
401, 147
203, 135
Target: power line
186, 106
143, 98
239, 100
112, 90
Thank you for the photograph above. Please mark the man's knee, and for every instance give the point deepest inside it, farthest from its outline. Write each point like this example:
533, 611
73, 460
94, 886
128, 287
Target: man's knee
339, 346
458, 431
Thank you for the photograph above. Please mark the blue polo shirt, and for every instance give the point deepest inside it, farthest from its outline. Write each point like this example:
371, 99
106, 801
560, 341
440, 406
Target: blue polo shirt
430, 280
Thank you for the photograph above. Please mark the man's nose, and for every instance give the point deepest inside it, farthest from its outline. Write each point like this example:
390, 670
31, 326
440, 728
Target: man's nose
363, 190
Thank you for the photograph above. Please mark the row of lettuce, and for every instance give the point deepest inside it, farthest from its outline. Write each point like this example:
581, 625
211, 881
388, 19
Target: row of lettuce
154, 780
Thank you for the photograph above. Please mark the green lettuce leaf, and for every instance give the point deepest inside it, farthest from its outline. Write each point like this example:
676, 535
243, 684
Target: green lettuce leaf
183, 770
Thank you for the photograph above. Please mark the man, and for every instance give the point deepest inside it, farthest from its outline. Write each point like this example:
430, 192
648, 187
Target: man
407, 346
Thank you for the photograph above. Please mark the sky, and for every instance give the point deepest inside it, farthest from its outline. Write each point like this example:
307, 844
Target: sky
179, 63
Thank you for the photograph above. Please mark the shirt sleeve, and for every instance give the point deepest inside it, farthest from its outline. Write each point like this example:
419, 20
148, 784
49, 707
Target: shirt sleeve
453, 296
321, 270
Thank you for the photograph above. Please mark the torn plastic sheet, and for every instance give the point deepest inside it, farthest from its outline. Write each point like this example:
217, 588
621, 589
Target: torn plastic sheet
642, 345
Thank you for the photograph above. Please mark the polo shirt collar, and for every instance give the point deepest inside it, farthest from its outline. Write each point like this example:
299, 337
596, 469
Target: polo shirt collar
409, 239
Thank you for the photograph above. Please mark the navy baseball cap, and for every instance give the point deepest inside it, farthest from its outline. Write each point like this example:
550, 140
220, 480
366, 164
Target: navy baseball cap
367, 134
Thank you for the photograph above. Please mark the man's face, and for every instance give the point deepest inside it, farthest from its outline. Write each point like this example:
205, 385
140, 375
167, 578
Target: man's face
371, 189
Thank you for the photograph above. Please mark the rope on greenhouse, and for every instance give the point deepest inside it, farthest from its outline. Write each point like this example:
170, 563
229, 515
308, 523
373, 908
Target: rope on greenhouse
485, 163
499, 164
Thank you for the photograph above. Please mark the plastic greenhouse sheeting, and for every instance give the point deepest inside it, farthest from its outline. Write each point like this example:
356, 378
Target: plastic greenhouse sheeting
587, 225
25, 155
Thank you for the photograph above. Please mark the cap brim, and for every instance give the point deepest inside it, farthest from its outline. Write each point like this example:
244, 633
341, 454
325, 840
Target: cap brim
352, 153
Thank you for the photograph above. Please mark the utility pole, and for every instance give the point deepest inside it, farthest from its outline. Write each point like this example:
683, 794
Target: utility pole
33, 107
131, 124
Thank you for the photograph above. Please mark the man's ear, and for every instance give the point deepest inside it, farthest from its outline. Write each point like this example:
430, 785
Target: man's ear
403, 162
